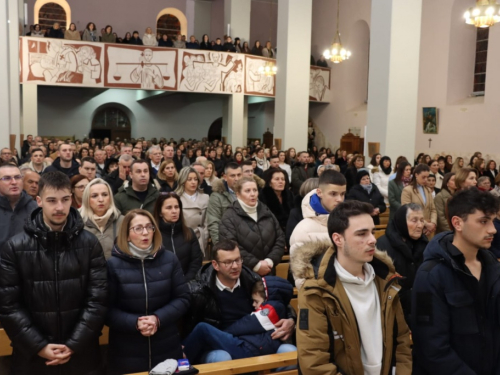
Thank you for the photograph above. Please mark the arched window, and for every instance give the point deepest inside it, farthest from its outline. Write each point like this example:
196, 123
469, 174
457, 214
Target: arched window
49, 14
168, 24
111, 122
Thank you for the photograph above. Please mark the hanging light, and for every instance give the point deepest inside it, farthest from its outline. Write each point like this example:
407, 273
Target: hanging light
486, 13
337, 53
268, 69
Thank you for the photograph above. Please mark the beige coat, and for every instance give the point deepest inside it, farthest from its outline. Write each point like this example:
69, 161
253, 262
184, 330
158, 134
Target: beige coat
441, 203
195, 216
411, 196
106, 238
327, 333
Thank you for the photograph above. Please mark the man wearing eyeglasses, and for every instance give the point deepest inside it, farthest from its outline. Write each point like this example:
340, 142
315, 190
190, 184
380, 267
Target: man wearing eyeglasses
15, 204
224, 295
6, 155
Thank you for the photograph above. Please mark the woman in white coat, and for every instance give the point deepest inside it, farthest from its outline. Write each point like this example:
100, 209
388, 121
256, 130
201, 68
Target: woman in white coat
381, 177
194, 204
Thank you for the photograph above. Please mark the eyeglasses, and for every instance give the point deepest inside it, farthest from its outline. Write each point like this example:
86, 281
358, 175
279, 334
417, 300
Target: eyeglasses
140, 229
228, 264
9, 178
81, 187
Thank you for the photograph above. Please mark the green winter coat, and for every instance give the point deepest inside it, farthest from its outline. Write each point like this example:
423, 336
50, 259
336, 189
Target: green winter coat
126, 200
220, 200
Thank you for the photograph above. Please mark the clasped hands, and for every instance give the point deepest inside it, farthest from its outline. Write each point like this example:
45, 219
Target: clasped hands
147, 325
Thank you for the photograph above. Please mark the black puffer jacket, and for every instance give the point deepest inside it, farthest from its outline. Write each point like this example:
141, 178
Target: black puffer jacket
374, 198
12, 220
56, 167
204, 305
53, 289
154, 286
256, 240
280, 210
407, 256
188, 252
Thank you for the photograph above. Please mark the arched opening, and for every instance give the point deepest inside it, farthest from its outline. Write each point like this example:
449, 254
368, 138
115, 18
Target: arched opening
111, 122
168, 24
215, 131
173, 13
46, 12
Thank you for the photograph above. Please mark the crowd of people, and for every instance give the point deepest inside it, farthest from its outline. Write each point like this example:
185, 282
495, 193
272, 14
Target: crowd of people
110, 232
149, 38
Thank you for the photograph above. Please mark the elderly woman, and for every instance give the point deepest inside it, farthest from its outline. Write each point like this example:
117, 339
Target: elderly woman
177, 237
148, 295
167, 176
194, 203
100, 215
78, 185
418, 193
405, 243
254, 228
365, 191
484, 183
441, 201
277, 196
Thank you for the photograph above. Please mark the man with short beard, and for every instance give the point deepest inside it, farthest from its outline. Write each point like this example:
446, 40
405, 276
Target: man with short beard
65, 162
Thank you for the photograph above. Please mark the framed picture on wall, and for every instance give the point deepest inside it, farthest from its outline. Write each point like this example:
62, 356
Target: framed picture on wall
430, 120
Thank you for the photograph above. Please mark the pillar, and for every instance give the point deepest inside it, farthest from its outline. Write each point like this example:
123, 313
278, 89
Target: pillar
4, 79
292, 79
29, 110
235, 120
393, 76
198, 22
237, 14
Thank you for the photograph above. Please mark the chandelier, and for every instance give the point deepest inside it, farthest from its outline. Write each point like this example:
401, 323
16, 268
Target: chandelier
337, 53
268, 69
486, 13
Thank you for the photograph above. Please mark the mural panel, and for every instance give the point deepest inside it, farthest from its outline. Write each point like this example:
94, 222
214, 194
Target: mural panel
255, 82
319, 84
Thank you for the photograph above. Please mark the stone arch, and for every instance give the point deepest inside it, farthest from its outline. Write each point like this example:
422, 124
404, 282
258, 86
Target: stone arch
62, 3
120, 131
180, 16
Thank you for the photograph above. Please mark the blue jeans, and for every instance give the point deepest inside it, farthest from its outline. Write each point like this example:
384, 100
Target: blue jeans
205, 336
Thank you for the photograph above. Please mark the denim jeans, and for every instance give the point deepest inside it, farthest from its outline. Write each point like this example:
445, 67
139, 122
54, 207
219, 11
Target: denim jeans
205, 336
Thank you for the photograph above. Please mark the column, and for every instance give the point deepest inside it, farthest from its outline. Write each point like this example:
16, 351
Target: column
393, 76
292, 81
235, 120
16, 26
4, 80
29, 110
237, 14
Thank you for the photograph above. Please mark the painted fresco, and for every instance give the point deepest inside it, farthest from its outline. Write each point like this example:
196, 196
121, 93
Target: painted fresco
136, 67
45, 61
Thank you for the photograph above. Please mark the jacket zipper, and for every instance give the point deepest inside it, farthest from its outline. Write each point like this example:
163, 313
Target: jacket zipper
56, 272
172, 239
147, 308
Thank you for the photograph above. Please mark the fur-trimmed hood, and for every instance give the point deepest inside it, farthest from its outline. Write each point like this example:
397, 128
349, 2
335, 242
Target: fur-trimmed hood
219, 186
306, 260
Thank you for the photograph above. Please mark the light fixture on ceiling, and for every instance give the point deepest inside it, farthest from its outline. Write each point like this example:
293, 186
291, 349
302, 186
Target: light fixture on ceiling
337, 53
268, 69
486, 13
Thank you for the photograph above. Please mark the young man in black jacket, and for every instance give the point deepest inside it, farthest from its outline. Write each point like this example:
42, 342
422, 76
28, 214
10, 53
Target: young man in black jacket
455, 297
53, 288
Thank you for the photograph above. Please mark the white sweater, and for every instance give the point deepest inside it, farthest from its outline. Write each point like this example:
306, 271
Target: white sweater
365, 303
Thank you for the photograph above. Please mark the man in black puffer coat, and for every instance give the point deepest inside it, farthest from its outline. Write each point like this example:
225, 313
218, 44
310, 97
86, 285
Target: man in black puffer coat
53, 288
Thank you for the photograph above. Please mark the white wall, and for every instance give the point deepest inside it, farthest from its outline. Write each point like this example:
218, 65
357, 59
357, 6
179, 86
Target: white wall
260, 118
68, 111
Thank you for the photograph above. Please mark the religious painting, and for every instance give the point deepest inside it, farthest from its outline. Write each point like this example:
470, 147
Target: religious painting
137, 67
319, 84
215, 72
430, 120
257, 83
55, 61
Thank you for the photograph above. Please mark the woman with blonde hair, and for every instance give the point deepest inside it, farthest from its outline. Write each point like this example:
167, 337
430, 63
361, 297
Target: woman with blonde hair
210, 177
457, 164
194, 204
100, 215
167, 176
465, 178
148, 296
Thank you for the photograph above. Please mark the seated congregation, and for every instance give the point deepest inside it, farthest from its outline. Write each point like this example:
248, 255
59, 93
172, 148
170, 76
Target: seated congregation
176, 248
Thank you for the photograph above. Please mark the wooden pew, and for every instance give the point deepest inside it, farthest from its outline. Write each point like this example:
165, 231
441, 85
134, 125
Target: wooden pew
261, 365
379, 233
282, 270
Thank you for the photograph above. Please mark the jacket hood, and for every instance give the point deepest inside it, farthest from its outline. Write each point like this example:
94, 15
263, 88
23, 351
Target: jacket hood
278, 289
260, 182
48, 239
436, 249
57, 164
306, 260
219, 186
262, 210
309, 212
166, 228
24, 199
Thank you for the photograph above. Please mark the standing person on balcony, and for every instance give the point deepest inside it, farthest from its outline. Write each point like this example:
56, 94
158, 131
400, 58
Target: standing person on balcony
178, 42
257, 49
268, 51
107, 35
53, 288
55, 31
228, 45
205, 43
192, 44
90, 34
135, 39
72, 33
149, 38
